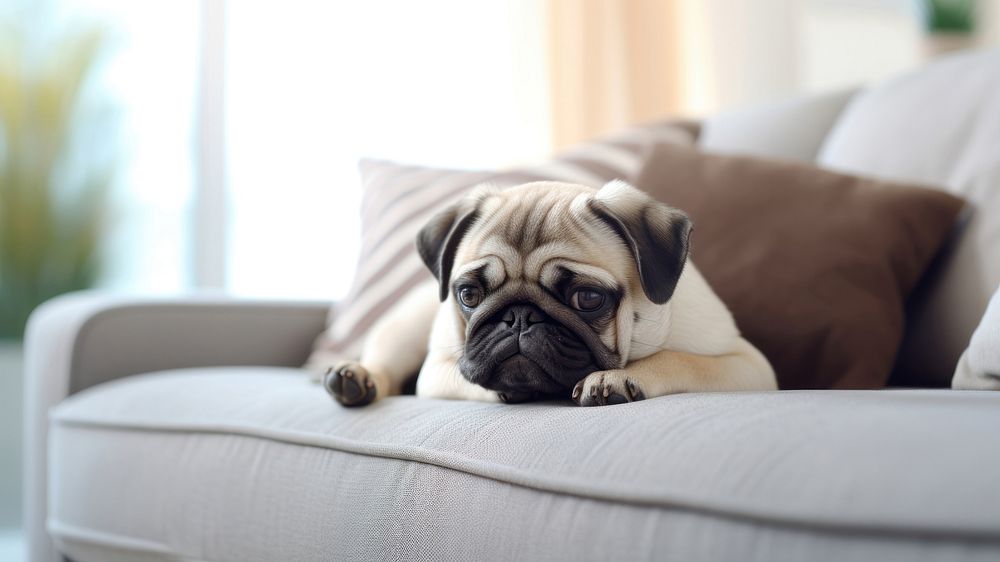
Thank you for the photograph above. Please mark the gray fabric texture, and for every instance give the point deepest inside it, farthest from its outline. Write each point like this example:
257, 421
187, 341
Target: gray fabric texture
792, 129
979, 367
257, 463
83, 339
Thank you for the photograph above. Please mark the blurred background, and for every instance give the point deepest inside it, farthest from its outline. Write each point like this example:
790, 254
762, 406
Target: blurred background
209, 145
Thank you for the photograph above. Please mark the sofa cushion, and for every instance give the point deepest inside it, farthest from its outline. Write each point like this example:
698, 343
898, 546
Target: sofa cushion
399, 199
814, 265
791, 129
258, 464
941, 126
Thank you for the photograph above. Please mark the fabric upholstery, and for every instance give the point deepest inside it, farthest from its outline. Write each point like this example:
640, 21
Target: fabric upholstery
258, 464
979, 366
939, 125
814, 265
399, 200
792, 129
83, 339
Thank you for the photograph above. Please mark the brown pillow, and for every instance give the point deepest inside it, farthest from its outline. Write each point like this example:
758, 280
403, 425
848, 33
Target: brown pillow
814, 265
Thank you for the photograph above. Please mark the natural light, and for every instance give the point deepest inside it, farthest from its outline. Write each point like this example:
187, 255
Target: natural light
303, 108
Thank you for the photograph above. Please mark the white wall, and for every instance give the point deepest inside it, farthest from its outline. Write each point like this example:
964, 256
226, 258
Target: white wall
751, 49
843, 43
988, 20
740, 52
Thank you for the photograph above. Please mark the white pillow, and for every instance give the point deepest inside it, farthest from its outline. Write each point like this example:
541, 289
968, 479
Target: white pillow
979, 367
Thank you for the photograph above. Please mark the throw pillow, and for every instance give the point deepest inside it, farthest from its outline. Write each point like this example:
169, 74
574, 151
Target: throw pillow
399, 199
815, 265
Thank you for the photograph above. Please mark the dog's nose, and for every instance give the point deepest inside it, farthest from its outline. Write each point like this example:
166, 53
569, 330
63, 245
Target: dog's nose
522, 316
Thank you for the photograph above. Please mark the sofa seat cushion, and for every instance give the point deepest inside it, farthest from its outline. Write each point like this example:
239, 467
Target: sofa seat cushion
258, 464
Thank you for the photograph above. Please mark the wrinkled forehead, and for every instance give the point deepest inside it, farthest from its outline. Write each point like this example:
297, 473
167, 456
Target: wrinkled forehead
531, 238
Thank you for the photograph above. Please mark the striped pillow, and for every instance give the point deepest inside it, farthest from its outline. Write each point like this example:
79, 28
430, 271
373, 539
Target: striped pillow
399, 199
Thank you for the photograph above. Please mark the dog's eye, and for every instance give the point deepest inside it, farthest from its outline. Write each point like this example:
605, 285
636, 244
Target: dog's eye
470, 296
587, 300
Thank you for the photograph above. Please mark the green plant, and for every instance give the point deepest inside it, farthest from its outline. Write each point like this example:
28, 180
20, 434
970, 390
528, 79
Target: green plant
55, 173
952, 16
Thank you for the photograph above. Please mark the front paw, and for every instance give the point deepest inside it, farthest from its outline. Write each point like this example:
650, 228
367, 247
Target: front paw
350, 384
607, 387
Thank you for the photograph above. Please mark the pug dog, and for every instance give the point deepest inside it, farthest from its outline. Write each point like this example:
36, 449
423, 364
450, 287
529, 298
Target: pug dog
551, 291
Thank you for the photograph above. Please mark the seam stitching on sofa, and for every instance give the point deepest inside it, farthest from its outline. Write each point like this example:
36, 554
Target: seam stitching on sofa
65, 531
562, 485
88, 535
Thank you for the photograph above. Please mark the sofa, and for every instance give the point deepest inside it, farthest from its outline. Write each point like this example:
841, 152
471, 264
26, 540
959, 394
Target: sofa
186, 429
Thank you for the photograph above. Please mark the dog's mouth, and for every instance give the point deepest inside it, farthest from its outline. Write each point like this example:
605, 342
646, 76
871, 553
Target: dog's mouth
530, 356
519, 378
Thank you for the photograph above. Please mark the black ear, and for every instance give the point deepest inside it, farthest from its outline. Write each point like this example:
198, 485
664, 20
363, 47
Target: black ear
438, 241
656, 234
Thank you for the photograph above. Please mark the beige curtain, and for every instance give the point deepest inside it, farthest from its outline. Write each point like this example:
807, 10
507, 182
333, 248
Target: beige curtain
612, 63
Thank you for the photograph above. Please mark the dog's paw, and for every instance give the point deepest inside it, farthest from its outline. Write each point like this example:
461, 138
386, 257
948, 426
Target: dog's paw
350, 384
603, 388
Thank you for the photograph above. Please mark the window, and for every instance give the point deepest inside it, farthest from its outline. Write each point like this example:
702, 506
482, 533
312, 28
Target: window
314, 86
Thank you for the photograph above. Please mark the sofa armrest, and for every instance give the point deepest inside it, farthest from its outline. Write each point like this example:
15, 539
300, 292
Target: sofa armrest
83, 339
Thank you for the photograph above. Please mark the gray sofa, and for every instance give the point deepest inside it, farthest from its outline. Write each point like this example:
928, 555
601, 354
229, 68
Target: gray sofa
183, 429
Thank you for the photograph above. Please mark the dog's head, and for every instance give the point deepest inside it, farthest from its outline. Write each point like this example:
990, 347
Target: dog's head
548, 280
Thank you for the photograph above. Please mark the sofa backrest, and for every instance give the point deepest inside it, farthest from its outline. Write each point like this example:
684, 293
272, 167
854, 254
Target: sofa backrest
939, 126
792, 129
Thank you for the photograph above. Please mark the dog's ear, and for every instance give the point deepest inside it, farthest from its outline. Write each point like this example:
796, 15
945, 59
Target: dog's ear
656, 234
438, 240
